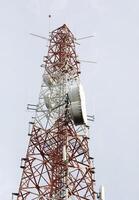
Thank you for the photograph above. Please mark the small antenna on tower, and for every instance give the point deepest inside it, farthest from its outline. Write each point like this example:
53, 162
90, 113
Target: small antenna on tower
101, 195
83, 38
49, 27
39, 36
88, 61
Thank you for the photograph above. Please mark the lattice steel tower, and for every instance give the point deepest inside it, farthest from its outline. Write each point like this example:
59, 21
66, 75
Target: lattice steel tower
57, 165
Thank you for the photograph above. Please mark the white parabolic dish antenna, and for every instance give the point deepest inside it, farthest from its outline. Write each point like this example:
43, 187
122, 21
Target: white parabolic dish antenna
77, 106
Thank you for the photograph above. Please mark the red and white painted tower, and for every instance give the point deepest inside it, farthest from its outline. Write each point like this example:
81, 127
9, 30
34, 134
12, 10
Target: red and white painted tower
57, 165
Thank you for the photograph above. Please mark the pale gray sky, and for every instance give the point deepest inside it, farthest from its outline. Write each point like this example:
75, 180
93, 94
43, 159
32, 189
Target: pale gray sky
112, 86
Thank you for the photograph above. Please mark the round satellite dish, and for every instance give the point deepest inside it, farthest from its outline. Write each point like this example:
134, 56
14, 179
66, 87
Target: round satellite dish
74, 94
77, 106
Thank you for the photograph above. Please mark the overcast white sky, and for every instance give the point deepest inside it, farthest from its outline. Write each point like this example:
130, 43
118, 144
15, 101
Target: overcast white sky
112, 85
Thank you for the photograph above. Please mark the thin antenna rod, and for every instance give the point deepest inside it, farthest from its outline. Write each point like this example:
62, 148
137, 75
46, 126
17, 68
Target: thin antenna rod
42, 37
90, 36
87, 61
49, 27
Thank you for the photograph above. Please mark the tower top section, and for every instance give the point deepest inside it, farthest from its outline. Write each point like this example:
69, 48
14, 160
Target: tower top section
62, 59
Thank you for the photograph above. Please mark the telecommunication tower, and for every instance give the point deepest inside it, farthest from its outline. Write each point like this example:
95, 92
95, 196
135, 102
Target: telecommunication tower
57, 165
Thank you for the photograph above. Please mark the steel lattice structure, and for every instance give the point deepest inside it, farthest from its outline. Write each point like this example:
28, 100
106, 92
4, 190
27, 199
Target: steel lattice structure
57, 165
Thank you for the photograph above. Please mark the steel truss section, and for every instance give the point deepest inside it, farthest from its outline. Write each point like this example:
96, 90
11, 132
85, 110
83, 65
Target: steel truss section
57, 165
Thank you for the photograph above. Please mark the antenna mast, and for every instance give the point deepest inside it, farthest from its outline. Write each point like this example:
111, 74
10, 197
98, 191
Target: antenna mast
57, 165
